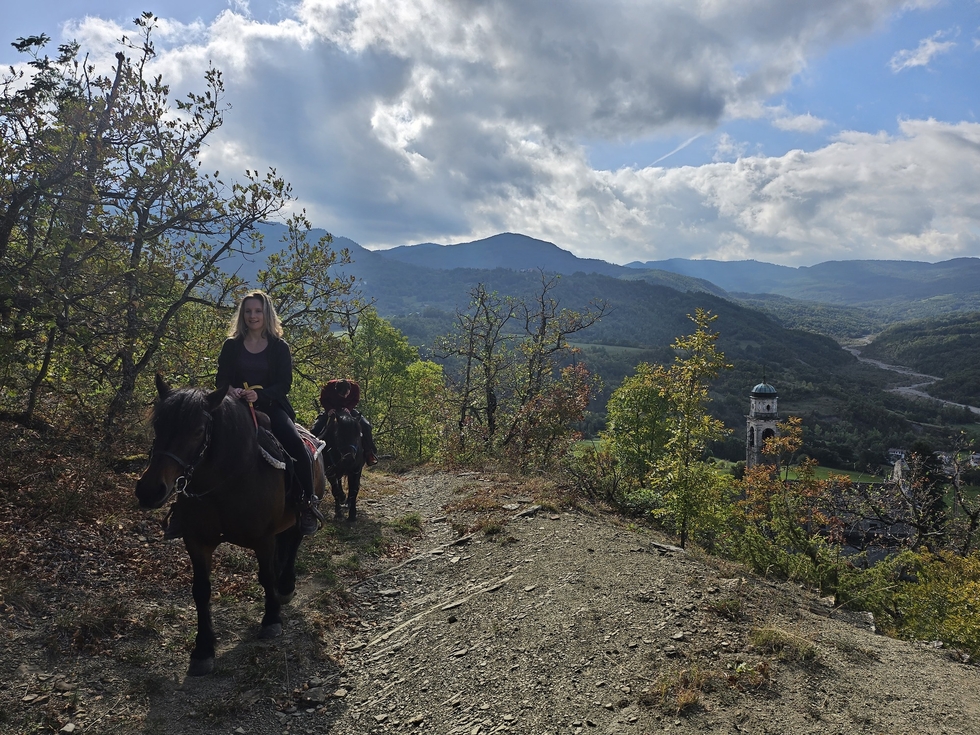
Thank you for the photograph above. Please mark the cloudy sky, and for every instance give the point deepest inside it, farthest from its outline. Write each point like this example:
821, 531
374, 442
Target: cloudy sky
788, 131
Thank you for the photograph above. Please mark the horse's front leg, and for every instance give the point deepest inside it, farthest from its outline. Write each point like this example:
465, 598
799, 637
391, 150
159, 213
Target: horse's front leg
287, 546
353, 487
202, 657
265, 553
337, 488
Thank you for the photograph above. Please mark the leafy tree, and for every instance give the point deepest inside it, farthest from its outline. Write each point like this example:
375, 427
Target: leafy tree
910, 509
690, 489
637, 422
506, 366
402, 395
965, 521
660, 428
542, 431
544, 406
479, 344
786, 525
941, 604
110, 230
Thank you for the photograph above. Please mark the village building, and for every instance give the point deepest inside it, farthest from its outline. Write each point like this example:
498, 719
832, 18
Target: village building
761, 423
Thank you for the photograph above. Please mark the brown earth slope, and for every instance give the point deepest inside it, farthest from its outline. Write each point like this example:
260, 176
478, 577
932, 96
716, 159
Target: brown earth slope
459, 603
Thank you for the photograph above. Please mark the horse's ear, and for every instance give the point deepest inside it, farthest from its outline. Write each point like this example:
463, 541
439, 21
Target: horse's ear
163, 388
214, 398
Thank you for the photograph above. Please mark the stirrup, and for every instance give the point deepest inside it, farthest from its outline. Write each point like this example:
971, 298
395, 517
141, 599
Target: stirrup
310, 518
314, 508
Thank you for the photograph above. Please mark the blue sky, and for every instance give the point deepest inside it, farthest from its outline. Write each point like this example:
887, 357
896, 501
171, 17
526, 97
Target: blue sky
788, 131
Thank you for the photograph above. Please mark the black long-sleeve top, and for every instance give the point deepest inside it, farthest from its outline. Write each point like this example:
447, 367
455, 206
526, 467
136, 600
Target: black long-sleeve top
276, 389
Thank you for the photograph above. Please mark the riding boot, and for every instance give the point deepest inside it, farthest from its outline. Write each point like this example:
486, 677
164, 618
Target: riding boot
311, 517
173, 528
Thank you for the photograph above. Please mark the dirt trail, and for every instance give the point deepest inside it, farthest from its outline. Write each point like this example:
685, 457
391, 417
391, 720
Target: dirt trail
559, 622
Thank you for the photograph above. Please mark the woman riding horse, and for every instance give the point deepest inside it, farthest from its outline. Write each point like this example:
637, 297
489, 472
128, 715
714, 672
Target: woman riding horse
255, 365
206, 452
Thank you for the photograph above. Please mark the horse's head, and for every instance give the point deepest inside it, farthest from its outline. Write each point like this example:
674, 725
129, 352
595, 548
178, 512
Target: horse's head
182, 422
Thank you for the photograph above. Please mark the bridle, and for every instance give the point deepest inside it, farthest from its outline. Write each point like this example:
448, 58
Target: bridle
187, 468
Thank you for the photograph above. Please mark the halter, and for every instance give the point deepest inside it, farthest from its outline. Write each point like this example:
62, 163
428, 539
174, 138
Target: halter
181, 483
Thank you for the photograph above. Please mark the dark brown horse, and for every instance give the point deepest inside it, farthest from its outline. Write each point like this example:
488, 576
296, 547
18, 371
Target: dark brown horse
343, 457
205, 450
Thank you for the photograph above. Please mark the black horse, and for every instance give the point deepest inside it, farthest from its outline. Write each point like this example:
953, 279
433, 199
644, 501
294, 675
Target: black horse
343, 457
205, 450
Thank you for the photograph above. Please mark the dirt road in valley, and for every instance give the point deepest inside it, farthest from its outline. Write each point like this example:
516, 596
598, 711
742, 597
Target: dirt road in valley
916, 390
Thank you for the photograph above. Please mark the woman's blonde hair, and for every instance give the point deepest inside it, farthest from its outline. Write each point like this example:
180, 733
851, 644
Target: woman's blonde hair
273, 327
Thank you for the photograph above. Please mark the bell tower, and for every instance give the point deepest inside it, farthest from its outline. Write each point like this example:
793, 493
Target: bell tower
761, 422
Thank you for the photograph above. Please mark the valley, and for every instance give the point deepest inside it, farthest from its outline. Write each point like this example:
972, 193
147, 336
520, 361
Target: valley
916, 390
787, 323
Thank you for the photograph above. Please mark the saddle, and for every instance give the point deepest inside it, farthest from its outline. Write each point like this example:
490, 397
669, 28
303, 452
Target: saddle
274, 453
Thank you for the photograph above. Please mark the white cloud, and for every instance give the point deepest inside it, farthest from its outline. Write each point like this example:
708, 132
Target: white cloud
907, 197
921, 56
799, 123
403, 121
728, 149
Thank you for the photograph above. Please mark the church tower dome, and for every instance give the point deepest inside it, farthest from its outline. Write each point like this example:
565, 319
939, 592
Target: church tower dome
760, 424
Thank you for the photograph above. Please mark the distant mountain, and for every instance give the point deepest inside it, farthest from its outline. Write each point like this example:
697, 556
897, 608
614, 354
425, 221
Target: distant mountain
749, 276
506, 250
413, 274
955, 283
408, 278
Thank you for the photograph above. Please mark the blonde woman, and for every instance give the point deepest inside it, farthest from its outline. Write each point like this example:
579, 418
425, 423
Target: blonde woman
255, 354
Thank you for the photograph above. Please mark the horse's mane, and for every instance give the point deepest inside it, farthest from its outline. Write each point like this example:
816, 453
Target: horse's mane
232, 431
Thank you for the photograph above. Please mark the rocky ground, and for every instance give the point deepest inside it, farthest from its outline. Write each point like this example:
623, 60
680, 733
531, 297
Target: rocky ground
459, 603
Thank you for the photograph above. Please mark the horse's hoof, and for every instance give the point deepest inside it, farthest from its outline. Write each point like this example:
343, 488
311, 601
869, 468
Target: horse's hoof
201, 666
270, 631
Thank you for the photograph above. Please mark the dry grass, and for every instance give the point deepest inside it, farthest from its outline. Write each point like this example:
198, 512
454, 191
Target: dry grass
786, 645
679, 691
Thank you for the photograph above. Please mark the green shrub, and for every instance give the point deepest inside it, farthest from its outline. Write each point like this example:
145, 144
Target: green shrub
943, 603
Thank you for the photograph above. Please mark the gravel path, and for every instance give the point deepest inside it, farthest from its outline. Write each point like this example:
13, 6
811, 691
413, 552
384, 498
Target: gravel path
488, 610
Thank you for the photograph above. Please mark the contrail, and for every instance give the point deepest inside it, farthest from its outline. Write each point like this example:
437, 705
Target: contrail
681, 147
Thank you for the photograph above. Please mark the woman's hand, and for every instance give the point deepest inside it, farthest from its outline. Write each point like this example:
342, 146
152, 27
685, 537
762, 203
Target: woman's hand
249, 395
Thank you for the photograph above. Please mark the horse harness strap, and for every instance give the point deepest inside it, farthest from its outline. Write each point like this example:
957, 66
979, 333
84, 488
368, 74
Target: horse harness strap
181, 483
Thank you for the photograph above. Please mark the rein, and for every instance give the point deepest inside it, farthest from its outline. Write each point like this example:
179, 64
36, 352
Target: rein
251, 408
